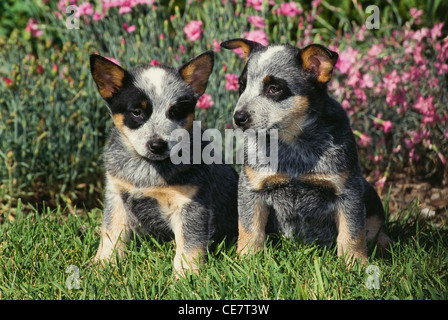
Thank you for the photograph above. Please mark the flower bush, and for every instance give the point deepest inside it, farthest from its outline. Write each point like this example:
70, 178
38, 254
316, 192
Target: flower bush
396, 96
392, 81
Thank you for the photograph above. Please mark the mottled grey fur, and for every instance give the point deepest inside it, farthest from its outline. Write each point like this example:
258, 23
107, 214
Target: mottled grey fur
324, 145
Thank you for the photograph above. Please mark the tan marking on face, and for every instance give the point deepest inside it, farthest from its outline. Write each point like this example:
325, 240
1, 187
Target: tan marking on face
144, 104
334, 181
253, 240
348, 246
118, 119
291, 121
189, 123
260, 180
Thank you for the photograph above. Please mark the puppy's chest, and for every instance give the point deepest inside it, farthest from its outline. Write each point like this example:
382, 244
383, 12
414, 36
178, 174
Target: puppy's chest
155, 209
296, 184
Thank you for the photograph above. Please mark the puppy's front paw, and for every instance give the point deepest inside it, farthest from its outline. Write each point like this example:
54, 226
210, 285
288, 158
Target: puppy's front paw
185, 262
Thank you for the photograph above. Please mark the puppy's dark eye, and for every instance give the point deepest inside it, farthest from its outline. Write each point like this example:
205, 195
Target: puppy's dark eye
137, 113
274, 89
181, 110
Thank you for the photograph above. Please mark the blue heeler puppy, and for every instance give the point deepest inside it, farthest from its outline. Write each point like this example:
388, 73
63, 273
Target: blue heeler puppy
194, 204
318, 192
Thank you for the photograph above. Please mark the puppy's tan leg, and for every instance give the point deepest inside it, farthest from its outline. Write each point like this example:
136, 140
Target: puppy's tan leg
374, 228
187, 257
351, 240
251, 236
115, 230
113, 236
174, 202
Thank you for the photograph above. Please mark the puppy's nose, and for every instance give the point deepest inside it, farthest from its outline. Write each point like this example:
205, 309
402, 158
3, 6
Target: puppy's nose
241, 118
157, 146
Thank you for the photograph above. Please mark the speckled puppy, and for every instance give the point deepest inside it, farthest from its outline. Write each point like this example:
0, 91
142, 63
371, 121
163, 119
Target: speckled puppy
318, 192
194, 204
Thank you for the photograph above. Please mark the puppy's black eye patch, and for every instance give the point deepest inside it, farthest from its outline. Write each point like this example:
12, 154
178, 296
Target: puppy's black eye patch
137, 113
276, 88
181, 109
242, 81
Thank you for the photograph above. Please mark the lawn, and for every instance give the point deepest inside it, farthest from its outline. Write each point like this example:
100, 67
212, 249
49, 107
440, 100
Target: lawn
44, 254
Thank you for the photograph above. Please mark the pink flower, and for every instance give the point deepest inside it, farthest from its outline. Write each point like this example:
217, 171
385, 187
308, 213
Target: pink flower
33, 28
374, 50
365, 140
205, 101
182, 49
425, 106
98, 16
85, 8
347, 59
346, 104
113, 60
193, 30
442, 158
290, 9
413, 157
416, 15
258, 4
257, 36
257, 21
129, 29
391, 80
124, 10
155, 62
231, 82
387, 126
216, 45
367, 81
381, 182
436, 31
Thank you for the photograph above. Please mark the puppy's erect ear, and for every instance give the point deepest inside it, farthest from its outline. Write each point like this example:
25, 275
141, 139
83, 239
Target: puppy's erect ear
246, 45
197, 71
107, 75
319, 60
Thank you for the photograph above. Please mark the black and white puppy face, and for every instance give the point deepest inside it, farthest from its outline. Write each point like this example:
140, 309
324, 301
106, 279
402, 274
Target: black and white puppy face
149, 102
276, 83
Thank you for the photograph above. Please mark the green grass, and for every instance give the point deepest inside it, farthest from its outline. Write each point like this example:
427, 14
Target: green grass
37, 248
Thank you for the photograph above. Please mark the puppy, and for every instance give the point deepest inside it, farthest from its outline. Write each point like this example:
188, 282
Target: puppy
194, 204
318, 192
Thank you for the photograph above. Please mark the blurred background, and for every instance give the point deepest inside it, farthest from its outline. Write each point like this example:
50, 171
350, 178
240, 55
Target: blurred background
392, 81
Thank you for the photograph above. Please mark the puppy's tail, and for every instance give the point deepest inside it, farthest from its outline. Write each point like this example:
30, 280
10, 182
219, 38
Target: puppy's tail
375, 217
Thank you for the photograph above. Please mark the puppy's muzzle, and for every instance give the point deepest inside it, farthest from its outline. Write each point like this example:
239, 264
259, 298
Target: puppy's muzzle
157, 146
241, 118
